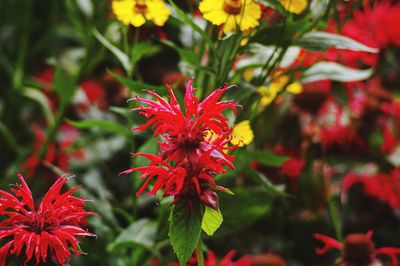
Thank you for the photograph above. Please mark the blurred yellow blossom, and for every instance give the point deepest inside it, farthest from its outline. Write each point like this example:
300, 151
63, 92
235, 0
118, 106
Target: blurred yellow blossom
269, 93
294, 6
242, 134
137, 12
231, 13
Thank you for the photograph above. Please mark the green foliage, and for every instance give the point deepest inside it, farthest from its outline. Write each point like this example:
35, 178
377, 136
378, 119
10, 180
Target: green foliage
139, 233
185, 229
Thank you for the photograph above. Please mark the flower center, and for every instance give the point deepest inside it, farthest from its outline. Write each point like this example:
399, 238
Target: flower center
140, 8
233, 7
358, 250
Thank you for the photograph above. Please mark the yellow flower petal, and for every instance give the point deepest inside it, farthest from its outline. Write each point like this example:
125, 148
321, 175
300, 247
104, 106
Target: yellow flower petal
213, 11
158, 12
123, 10
242, 134
295, 87
137, 19
294, 6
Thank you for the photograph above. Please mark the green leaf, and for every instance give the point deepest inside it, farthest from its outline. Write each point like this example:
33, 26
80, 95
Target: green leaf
39, 97
141, 50
212, 220
185, 229
138, 86
189, 56
334, 71
121, 56
140, 233
253, 204
105, 125
277, 190
280, 33
315, 41
266, 158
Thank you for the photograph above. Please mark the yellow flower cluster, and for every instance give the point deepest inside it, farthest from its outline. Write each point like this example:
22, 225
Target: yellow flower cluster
269, 93
232, 14
137, 12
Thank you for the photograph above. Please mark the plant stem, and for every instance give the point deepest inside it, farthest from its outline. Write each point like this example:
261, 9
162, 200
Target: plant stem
200, 253
333, 213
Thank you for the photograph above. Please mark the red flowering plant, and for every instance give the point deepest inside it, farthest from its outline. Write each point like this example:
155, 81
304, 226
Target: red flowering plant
44, 232
358, 249
194, 149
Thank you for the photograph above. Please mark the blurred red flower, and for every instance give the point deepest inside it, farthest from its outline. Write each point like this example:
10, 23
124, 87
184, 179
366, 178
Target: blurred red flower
357, 249
58, 153
49, 229
385, 187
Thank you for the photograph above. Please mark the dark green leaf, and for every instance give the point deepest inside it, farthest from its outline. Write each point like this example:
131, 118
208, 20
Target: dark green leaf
263, 180
185, 229
141, 50
138, 86
188, 56
252, 203
105, 125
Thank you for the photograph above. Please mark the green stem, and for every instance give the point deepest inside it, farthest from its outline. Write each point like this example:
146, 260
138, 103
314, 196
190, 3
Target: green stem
24, 39
333, 213
200, 253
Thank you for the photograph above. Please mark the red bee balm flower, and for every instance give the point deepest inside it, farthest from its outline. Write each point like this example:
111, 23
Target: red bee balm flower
194, 143
46, 229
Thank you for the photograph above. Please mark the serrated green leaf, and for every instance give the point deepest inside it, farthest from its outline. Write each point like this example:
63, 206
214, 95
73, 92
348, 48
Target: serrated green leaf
185, 229
316, 41
140, 233
334, 71
212, 220
105, 125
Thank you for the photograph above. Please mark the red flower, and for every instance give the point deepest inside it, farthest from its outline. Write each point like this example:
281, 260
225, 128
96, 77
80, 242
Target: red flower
336, 128
58, 152
357, 249
193, 146
95, 95
185, 134
385, 187
50, 228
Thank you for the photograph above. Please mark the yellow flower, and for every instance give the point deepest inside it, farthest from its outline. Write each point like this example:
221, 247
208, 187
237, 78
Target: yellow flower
137, 12
294, 6
295, 88
242, 134
268, 94
231, 13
